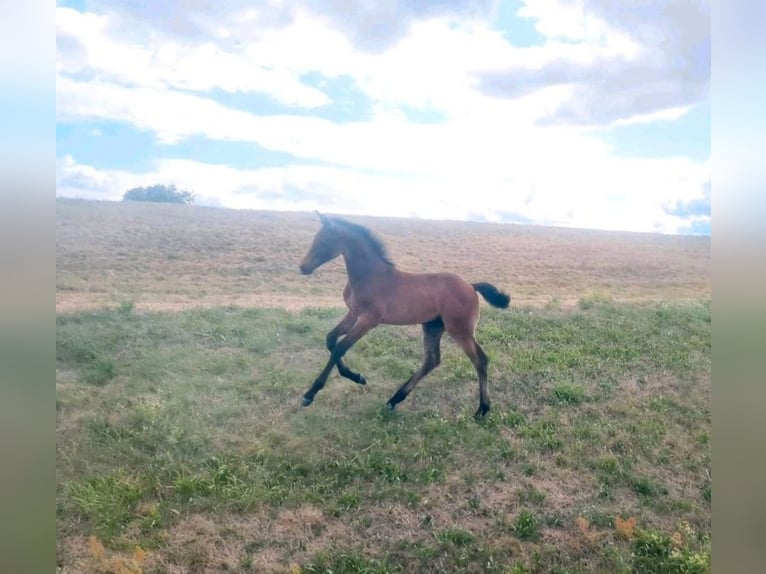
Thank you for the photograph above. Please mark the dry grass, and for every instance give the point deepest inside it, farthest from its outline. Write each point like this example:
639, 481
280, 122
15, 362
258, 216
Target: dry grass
169, 257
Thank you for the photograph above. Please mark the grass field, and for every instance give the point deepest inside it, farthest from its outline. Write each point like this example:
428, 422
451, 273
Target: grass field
186, 337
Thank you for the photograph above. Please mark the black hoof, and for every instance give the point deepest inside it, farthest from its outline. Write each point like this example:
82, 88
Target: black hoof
361, 381
390, 406
482, 412
307, 401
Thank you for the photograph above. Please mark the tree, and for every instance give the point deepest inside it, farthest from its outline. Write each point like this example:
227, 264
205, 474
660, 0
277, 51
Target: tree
159, 193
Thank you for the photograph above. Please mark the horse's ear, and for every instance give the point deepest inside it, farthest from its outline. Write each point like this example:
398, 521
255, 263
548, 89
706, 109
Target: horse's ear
324, 219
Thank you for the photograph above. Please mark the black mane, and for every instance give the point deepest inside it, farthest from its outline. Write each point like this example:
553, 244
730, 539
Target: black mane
376, 245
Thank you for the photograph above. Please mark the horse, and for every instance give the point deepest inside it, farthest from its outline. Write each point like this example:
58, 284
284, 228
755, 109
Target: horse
378, 293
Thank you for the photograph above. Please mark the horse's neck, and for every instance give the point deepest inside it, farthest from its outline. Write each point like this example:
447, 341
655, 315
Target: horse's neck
363, 266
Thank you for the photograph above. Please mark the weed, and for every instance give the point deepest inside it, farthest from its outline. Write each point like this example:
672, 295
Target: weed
526, 526
455, 536
346, 562
100, 371
95, 364
568, 394
598, 518
611, 470
657, 553
126, 307
528, 469
108, 502
348, 501
532, 494
512, 419
544, 433
646, 487
553, 520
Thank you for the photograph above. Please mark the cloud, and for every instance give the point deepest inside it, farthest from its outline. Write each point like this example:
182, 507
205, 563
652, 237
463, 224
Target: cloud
693, 208
377, 25
89, 47
369, 25
386, 142
275, 59
626, 59
87, 182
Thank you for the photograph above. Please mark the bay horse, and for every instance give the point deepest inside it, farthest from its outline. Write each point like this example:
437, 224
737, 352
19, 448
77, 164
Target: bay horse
378, 293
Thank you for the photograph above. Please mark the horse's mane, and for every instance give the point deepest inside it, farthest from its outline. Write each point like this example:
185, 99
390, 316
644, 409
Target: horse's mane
374, 242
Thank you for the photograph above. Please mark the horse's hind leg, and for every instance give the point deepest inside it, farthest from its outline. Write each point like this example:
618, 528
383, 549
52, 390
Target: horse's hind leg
332, 339
480, 361
432, 333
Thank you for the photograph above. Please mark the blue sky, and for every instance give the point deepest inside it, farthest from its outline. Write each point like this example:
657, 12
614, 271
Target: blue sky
585, 113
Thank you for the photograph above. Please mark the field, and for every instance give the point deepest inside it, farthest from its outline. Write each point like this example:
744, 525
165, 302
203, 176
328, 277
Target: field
186, 337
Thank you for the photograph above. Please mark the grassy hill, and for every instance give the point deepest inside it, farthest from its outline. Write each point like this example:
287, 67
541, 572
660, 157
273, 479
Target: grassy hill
186, 337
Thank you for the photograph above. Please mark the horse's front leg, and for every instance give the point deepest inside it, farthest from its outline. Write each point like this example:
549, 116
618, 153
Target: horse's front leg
332, 339
362, 325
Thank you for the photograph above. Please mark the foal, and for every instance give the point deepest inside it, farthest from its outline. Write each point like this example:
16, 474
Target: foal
377, 292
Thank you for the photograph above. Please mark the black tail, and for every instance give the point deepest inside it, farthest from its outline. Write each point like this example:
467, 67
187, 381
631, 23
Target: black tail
492, 295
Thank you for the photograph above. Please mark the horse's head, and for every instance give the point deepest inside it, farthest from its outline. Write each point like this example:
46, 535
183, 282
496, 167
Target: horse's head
326, 246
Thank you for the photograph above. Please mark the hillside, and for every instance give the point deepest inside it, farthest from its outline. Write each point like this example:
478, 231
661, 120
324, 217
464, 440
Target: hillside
162, 256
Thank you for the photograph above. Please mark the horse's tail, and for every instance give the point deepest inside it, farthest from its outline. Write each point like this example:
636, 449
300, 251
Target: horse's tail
493, 296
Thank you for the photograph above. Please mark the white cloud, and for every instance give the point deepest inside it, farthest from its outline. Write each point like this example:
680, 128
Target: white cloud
471, 148
433, 66
555, 19
87, 45
627, 60
669, 114
87, 182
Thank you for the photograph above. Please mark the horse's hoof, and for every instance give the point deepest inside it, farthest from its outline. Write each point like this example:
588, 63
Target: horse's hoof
361, 381
481, 413
390, 407
307, 401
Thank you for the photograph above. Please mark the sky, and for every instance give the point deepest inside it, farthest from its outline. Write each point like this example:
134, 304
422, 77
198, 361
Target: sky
578, 113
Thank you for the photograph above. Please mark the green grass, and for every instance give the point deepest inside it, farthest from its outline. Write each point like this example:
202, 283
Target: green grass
108, 502
346, 562
657, 553
568, 394
169, 419
526, 526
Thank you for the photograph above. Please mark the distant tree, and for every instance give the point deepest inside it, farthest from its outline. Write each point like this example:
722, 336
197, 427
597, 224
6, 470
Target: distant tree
159, 193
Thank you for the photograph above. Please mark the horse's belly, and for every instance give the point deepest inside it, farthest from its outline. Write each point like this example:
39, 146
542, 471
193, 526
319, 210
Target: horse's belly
409, 312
